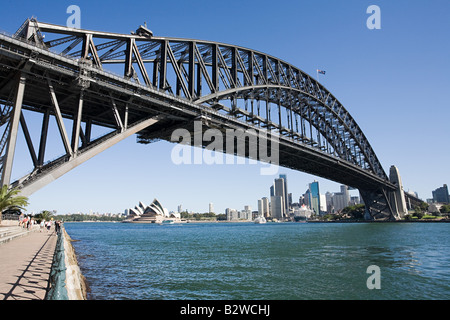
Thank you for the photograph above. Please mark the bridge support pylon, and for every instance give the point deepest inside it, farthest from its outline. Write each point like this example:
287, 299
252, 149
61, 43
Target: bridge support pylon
386, 204
398, 195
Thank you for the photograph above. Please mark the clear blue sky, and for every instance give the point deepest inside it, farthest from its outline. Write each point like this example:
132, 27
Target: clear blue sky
394, 81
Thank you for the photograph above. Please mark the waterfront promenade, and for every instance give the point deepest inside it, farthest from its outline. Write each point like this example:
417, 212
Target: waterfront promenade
25, 265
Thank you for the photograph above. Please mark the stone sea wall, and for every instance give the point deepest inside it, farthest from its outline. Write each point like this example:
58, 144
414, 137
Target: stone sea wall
75, 281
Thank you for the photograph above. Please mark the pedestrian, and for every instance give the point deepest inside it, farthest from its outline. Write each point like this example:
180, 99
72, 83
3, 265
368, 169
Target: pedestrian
21, 217
42, 225
57, 226
49, 225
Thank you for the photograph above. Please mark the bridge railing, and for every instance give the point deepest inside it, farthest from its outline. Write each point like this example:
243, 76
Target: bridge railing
58, 290
10, 217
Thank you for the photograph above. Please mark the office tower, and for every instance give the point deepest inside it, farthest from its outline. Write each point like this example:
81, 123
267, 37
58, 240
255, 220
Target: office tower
272, 190
285, 193
329, 202
341, 199
280, 192
263, 207
180, 208
231, 214
315, 197
323, 203
307, 198
246, 214
277, 207
346, 194
211, 208
441, 195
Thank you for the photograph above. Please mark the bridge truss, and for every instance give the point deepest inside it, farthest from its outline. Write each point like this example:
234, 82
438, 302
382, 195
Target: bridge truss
139, 83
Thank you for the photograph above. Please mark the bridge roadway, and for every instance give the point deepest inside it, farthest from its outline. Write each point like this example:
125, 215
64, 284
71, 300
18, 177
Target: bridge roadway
34, 78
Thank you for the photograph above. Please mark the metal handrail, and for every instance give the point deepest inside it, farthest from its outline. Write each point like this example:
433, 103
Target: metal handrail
58, 290
10, 217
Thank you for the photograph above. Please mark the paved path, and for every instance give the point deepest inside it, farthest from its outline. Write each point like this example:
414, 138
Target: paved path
25, 266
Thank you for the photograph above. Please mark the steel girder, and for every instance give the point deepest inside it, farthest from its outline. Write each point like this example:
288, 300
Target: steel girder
199, 76
218, 74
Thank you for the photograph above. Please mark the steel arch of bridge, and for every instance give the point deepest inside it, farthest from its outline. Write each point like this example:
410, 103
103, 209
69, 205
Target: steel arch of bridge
180, 79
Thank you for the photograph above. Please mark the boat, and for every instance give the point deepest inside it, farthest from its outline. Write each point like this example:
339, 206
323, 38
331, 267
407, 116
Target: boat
260, 220
302, 214
168, 222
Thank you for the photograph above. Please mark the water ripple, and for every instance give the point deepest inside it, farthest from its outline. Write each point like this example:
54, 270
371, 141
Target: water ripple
273, 261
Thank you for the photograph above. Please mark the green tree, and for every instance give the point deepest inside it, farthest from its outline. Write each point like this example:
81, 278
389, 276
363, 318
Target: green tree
356, 211
424, 206
45, 215
10, 199
445, 208
418, 212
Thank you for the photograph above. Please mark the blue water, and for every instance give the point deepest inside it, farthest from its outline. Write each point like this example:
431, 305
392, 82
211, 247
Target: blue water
274, 261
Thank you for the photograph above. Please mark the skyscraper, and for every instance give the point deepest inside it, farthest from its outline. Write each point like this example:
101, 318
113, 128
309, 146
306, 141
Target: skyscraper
280, 191
263, 207
277, 207
285, 194
441, 195
341, 199
272, 190
315, 197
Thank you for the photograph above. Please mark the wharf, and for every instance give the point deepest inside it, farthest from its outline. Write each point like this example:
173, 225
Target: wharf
25, 264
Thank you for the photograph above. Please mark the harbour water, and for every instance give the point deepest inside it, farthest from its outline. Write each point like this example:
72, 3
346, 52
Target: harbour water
273, 261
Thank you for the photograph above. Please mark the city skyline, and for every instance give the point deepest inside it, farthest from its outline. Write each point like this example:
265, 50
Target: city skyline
374, 73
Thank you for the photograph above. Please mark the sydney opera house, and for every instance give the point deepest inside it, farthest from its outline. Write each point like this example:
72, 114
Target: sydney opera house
154, 213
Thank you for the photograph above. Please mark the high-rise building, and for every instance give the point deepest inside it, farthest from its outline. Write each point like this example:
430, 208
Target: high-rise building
314, 197
285, 193
277, 207
180, 208
341, 199
329, 202
231, 214
211, 208
441, 195
246, 214
272, 190
323, 203
280, 192
263, 207
307, 198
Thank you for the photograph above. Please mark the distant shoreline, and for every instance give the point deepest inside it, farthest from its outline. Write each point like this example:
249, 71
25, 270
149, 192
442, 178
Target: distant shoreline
270, 222
387, 221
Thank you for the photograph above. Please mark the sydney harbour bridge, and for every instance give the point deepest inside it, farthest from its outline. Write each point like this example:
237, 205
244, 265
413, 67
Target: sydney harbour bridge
147, 85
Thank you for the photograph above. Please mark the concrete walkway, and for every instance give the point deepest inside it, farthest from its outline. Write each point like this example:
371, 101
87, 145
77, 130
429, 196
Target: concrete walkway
25, 265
